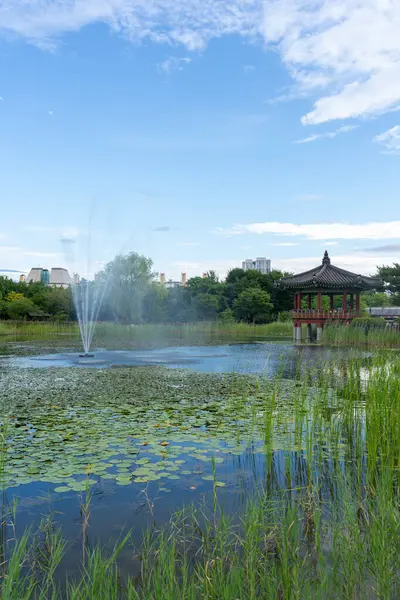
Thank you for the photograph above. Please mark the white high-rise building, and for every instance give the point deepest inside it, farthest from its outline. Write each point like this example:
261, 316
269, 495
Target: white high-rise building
248, 264
261, 264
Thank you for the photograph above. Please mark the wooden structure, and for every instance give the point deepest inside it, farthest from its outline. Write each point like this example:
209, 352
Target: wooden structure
325, 280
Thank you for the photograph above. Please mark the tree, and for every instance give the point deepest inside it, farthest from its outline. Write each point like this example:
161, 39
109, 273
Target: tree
57, 302
206, 296
179, 306
227, 316
14, 296
391, 281
207, 306
375, 299
253, 306
283, 300
128, 279
20, 308
155, 303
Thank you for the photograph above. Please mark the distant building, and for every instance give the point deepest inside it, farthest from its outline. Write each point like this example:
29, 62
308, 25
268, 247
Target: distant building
22, 278
170, 283
261, 264
387, 312
34, 275
58, 277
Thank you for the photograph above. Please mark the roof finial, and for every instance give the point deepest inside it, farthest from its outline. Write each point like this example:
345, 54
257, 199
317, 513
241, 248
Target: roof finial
326, 260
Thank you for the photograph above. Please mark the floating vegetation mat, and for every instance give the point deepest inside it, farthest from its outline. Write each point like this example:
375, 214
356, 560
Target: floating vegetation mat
70, 427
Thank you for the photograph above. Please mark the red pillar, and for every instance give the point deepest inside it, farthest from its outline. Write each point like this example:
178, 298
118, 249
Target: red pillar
295, 302
299, 300
358, 303
332, 302
345, 301
319, 301
309, 302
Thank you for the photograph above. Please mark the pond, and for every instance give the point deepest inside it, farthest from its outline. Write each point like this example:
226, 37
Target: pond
268, 359
146, 433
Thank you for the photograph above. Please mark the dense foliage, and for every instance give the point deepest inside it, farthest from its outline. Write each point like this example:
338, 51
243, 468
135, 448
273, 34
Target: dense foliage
133, 294
34, 301
391, 280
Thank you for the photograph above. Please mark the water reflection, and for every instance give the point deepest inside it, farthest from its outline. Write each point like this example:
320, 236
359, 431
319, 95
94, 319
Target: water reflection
271, 359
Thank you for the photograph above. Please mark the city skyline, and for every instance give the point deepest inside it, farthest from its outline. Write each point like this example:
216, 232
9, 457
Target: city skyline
198, 138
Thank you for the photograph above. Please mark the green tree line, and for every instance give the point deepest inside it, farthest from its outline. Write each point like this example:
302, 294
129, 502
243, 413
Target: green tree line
34, 301
133, 294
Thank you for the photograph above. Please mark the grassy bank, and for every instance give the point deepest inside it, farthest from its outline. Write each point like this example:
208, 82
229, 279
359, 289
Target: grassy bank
324, 524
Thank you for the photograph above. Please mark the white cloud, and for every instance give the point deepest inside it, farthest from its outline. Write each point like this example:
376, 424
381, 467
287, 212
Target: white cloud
327, 135
319, 231
191, 23
364, 264
173, 63
390, 140
351, 48
346, 51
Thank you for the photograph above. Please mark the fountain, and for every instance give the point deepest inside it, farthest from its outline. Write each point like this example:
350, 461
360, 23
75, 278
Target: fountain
88, 297
87, 291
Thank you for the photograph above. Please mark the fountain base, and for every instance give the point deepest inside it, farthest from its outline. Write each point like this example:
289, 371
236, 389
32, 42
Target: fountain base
86, 355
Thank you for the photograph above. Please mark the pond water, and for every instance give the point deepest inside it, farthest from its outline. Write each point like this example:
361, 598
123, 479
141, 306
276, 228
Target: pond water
148, 440
269, 359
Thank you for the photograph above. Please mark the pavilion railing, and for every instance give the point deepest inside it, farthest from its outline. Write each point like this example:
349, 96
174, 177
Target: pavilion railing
338, 315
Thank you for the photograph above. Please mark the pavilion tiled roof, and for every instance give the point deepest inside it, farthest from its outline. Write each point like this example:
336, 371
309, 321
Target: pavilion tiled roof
327, 276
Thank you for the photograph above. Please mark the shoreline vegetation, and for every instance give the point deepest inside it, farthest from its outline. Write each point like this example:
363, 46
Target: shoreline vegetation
132, 292
196, 333
368, 332
324, 522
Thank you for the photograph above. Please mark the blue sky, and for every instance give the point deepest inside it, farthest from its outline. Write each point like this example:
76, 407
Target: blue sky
200, 133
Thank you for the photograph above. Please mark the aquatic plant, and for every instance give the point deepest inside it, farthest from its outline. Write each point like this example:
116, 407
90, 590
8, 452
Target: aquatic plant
317, 517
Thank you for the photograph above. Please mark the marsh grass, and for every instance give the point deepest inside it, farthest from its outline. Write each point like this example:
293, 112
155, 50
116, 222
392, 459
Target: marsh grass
361, 335
323, 524
6, 329
113, 335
